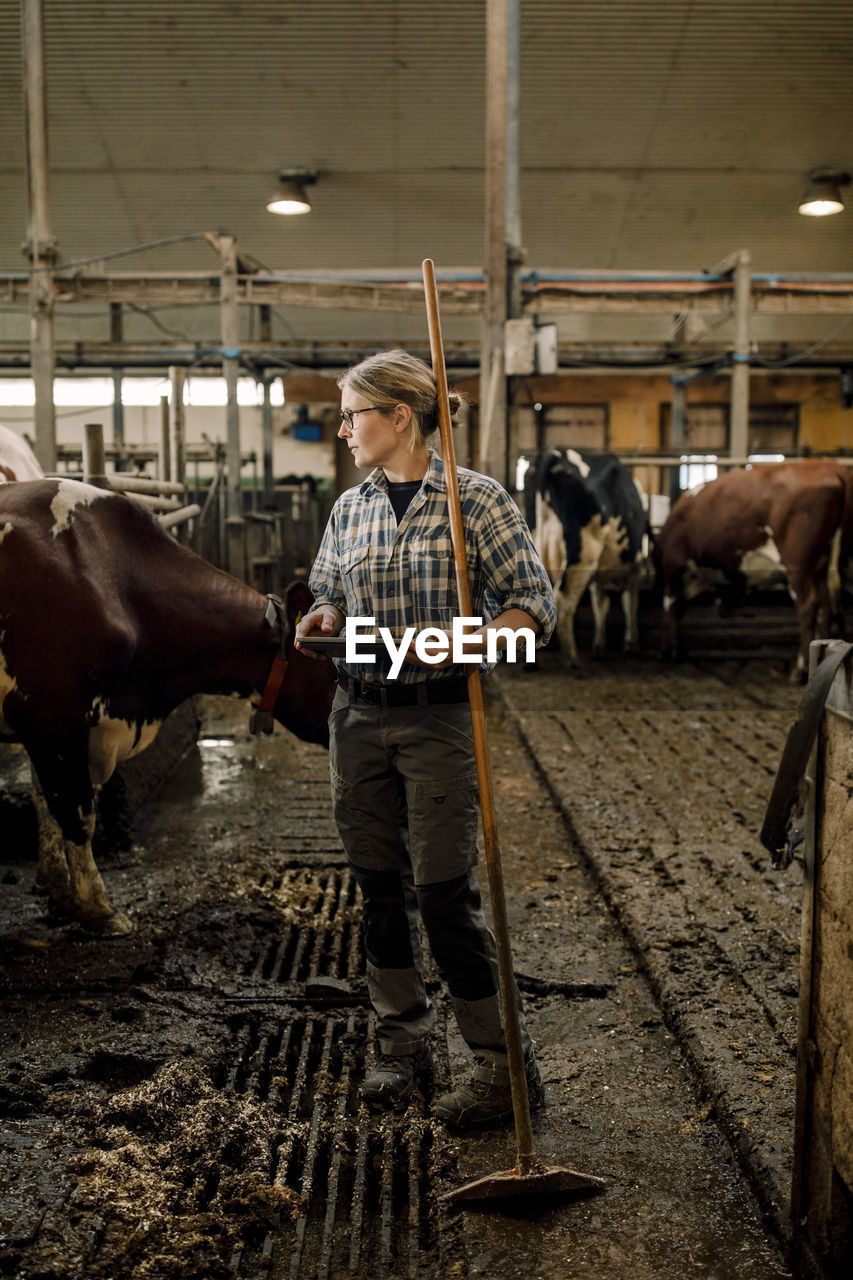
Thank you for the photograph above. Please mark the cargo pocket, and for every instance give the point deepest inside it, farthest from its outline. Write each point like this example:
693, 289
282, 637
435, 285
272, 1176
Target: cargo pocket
368, 817
443, 820
350, 820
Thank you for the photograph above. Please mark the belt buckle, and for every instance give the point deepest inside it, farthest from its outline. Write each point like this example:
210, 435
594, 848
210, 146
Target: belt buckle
370, 693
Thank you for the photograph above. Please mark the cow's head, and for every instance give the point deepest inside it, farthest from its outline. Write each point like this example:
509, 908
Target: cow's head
305, 700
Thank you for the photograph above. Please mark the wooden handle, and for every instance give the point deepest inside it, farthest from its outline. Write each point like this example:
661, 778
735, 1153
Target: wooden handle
512, 1024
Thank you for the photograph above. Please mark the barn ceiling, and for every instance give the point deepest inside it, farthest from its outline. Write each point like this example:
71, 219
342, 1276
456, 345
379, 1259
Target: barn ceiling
655, 136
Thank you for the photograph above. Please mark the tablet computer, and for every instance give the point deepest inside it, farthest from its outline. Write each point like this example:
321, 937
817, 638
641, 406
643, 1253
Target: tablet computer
334, 646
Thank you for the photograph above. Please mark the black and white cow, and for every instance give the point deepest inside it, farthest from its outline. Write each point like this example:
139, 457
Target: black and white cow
590, 529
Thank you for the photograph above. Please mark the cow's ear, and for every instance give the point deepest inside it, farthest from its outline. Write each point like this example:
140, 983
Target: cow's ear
297, 599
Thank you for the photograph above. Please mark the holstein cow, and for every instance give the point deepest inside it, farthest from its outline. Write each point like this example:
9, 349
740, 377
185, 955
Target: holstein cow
792, 518
17, 460
106, 625
590, 530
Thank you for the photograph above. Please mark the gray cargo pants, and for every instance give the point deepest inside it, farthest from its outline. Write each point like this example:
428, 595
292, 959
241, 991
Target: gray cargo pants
404, 792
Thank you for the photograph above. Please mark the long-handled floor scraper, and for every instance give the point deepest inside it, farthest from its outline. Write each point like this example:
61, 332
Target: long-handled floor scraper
530, 1176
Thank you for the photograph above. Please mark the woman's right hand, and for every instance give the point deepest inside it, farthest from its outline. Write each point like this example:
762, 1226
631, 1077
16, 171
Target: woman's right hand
327, 620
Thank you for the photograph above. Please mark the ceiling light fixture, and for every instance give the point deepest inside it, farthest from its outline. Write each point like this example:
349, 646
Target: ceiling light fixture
290, 196
823, 194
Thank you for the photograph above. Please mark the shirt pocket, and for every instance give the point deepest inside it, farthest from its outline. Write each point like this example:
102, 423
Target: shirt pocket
432, 575
356, 578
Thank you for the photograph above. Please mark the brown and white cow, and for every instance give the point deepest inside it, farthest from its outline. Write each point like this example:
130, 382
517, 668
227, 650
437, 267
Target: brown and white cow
106, 625
17, 460
747, 526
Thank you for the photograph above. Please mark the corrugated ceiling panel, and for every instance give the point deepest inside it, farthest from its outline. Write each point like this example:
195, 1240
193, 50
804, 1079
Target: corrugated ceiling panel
661, 133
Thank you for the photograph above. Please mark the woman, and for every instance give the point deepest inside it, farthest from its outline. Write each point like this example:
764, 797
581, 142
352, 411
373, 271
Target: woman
403, 769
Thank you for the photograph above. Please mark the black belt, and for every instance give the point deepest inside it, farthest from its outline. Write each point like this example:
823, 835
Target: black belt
404, 695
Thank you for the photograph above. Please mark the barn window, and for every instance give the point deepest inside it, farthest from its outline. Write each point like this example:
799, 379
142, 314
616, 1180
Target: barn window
576, 426
773, 428
707, 428
91, 393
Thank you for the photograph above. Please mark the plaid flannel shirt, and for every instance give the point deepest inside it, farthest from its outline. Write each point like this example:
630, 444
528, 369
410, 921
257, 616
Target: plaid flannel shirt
403, 575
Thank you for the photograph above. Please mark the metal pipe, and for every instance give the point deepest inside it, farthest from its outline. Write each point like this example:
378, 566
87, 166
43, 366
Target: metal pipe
178, 517
463, 275
125, 483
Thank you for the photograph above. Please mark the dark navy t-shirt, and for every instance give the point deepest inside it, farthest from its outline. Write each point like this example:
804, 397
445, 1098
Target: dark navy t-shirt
401, 495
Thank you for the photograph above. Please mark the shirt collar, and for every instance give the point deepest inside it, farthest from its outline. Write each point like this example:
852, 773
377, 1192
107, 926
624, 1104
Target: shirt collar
433, 478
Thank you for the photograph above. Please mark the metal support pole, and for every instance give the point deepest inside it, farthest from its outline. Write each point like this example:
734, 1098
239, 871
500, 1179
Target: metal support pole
267, 443
739, 437
514, 250
94, 456
118, 420
41, 247
677, 429
165, 442
230, 330
117, 337
678, 426
177, 424
492, 443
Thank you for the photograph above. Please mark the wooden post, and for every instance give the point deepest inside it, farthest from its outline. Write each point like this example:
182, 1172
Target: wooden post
822, 1167
41, 247
492, 442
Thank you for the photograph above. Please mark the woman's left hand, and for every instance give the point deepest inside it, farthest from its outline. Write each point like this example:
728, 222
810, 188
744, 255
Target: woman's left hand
434, 645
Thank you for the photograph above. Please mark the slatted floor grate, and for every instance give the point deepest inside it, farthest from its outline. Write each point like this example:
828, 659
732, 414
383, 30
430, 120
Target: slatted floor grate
364, 1183
321, 930
367, 1205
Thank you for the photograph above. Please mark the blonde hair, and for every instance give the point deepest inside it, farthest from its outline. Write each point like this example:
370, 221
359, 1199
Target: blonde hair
395, 377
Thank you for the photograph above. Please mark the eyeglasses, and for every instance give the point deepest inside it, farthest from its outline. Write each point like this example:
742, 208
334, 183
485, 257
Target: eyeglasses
347, 415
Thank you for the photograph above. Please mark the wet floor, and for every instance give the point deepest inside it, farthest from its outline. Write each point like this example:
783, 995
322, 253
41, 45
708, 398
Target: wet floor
124, 1081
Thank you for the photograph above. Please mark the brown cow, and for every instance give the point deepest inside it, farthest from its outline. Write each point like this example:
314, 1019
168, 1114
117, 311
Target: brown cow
791, 518
17, 460
106, 625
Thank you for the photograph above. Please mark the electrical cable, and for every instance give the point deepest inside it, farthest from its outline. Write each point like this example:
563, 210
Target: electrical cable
106, 257
801, 355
